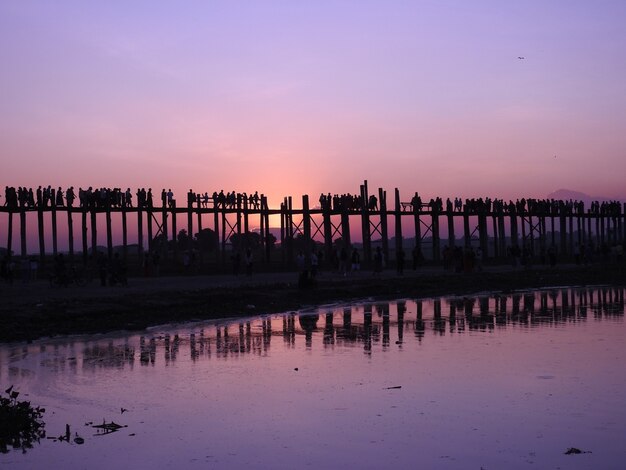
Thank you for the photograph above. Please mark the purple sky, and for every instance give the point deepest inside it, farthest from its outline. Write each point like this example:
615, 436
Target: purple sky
293, 98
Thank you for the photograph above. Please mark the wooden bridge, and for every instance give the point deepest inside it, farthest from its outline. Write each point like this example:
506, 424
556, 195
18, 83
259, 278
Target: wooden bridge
494, 226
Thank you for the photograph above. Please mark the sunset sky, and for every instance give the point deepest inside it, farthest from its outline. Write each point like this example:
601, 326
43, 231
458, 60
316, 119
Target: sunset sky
292, 98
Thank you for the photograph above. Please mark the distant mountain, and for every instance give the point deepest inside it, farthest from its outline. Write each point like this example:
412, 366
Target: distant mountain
566, 194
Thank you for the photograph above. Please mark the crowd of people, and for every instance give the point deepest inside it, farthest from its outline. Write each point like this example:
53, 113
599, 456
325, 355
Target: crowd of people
47, 196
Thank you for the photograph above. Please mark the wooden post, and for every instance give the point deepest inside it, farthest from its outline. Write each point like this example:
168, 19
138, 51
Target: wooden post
223, 239
70, 232
570, 251
451, 235
174, 230
365, 224
467, 235
496, 236
125, 236
328, 229
265, 215
246, 209
164, 234
502, 234
283, 237
10, 233
382, 204
418, 225
42, 246
483, 239
109, 233
514, 235
306, 219
289, 224
83, 230
216, 229
23, 232
53, 210
140, 234
190, 221
149, 216
435, 230
345, 229
94, 233
398, 222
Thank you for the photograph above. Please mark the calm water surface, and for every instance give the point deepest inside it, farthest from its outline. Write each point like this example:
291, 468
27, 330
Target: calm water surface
495, 381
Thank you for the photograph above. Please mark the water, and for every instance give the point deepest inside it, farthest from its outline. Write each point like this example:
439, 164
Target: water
496, 381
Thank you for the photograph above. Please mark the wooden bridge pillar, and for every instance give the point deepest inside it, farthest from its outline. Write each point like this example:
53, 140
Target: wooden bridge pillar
83, 230
328, 229
398, 223
53, 210
418, 225
514, 234
140, 234
451, 235
467, 235
502, 234
265, 216
149, 217
10, 233
283, 229
563, 233
345, 229
496, 237
190, 222
435, 233
290, 233
42, 246
174, 230
125, 236
94, 233
365, 224
306, 222
109, 234
23, 232
382, 204
164, 234
482, 233
70, 232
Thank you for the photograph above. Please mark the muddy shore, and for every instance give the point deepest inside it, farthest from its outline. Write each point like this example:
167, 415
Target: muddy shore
33, 310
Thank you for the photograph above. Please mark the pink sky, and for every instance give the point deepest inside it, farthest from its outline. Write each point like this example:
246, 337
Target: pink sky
289, 98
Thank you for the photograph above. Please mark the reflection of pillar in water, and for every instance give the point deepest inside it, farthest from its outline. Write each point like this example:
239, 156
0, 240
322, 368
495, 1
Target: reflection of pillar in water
384, 310
439, 324
543, 303
192, 347
152, 350
419, 324
329, 331
347, 317
144, 354
565, 302
484, 306
452, 315
515, 301
248, 337
241, 338
401, 309
219, 342
367, 329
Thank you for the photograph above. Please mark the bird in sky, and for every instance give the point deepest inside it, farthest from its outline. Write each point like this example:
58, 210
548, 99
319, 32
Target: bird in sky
521, 57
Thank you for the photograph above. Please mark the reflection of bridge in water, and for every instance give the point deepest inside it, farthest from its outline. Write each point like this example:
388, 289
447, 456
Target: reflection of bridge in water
374, 326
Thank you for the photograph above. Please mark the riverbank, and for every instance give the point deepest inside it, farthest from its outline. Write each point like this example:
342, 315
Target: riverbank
32, 310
